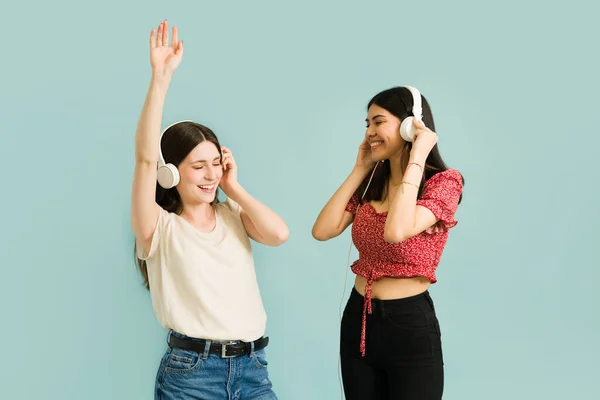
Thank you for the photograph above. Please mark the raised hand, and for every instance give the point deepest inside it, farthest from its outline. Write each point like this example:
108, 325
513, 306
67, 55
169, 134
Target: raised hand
424, 140
229, 178
165, 57
364, 160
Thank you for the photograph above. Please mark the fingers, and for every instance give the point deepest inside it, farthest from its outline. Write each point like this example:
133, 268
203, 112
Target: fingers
162, 35
179, 48
160, 38
224, 160
165, 38
175, 42
153, 38
227, 158
159, 35
421, 128
364, 144
227, 163
223, 157
419, 124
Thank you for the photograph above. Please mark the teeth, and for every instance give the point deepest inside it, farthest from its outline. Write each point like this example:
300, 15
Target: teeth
373, 144
207, 187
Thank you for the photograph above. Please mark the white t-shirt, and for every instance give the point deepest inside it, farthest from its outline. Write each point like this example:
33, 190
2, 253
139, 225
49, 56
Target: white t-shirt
203, 284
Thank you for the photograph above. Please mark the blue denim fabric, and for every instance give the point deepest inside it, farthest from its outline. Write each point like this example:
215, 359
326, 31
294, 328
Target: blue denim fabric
191, 375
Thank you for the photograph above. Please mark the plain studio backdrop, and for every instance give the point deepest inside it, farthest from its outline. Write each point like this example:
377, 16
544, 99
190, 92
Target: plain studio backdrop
514, 91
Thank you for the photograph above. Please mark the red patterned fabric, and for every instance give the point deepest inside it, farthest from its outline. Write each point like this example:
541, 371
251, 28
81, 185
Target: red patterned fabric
416, 256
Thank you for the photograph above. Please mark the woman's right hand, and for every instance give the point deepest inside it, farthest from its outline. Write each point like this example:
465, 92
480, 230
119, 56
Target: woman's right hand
364, 160
165, 58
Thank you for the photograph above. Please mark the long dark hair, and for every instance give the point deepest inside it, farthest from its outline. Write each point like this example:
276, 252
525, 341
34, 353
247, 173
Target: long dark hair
176, 143
398, 101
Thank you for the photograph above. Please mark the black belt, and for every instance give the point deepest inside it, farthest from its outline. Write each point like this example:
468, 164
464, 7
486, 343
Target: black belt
225, 350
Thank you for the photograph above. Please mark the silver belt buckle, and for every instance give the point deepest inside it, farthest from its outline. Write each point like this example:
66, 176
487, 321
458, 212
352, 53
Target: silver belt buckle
224, 350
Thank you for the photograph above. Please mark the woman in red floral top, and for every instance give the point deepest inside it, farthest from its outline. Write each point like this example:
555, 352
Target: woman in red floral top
390, 341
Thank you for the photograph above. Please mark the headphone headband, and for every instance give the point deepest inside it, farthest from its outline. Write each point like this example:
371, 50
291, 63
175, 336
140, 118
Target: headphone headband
417, 109
407, 129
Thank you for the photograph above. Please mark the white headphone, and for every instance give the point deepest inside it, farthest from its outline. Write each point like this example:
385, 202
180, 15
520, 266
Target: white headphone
407, 129
167, 174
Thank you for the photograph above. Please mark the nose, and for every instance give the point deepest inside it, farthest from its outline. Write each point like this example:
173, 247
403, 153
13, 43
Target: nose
211, 173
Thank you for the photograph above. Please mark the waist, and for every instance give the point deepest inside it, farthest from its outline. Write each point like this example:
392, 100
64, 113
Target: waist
417, 310
393, 288
227, 349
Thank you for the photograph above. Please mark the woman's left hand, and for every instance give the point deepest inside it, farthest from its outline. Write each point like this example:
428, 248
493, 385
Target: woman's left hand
424, 140
229, 178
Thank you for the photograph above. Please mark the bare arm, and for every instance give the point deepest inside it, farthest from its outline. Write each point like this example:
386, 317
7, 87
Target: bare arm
334, 218
260, 222
405, 219
164, 60
144, 210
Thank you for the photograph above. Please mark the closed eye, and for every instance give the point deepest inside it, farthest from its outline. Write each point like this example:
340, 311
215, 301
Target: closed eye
377, 121
214, 165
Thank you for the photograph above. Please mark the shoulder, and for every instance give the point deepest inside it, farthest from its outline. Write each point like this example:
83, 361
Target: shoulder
229, 206
165, 217
231, 213
449, 176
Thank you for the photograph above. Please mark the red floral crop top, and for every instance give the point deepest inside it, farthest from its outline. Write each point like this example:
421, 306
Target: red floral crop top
416, 256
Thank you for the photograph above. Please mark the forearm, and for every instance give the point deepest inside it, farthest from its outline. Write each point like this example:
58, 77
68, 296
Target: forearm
149, 123
331, 217
270, 226
401, 219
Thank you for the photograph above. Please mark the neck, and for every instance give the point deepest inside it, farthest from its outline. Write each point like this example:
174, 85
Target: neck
201, 215
397, 166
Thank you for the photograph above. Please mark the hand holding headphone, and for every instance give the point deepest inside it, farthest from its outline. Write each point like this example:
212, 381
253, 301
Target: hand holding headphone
230, 172
424, 139
412, 128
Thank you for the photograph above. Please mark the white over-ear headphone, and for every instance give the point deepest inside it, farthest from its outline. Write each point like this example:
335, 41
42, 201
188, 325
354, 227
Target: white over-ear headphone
167, 174
407, 128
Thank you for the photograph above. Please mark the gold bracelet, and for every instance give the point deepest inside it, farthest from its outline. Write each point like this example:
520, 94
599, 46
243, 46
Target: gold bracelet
410, 183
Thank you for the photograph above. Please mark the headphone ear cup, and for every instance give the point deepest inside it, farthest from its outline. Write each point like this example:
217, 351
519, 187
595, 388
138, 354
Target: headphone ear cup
167, 176
407, 129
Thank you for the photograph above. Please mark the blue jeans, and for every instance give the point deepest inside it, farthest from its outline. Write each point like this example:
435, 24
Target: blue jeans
187, 375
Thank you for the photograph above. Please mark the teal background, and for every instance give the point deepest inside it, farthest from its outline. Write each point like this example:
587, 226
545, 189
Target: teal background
514, 91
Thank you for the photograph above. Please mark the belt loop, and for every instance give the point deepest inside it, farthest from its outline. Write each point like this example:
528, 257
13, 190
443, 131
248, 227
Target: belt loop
251, 348
169, 337
207, 344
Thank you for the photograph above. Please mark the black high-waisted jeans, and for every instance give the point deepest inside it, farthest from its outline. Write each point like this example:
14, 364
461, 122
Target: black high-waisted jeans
403, 359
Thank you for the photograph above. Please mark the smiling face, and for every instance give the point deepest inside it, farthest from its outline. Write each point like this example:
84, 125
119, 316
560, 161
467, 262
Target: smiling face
383, 133
200, 172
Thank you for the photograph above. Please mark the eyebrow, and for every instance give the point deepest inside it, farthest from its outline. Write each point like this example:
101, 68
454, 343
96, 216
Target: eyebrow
205, 161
